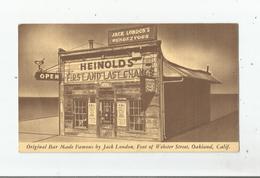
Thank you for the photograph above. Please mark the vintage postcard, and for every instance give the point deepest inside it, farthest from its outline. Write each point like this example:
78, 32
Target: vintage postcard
128, 88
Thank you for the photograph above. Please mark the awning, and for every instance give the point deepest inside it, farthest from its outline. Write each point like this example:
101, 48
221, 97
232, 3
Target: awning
172, 70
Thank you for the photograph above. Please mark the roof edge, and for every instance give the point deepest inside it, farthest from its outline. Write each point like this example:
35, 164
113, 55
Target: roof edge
110, 48
178, 68
186, 68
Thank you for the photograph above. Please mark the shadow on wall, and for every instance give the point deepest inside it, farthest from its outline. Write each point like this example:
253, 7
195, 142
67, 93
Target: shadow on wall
223, 104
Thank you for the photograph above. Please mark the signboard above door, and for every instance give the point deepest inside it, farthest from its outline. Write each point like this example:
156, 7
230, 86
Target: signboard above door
106, 70
132, 35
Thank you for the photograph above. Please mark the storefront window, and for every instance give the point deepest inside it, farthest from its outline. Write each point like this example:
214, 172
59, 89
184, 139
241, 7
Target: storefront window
136, 121
80, 113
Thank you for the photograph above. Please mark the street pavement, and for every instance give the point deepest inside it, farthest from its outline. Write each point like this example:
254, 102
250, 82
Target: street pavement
224, 129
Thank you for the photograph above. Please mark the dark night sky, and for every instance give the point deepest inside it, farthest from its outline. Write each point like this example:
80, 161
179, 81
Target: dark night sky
191, 45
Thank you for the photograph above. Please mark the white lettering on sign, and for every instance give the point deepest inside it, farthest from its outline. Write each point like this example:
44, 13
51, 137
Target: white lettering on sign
93, 71
47, 76
121, 113
117, 34
150, 85
92, 114
50, 76
104, 64
130, 35
105, 85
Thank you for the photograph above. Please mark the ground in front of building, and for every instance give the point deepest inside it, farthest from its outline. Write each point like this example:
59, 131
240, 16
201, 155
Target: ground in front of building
224, 129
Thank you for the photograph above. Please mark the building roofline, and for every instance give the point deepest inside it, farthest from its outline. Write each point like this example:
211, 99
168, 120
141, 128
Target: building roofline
191, 73
186, 68
110, 48
75, 54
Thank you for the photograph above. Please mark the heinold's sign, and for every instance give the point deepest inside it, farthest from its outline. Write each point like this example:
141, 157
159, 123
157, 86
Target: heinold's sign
131, 35
113, 69
47, 76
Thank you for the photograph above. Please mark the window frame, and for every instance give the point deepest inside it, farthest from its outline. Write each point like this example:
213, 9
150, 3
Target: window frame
81, 109
138, 114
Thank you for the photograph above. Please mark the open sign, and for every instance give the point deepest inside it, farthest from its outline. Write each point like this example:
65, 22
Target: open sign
47, 76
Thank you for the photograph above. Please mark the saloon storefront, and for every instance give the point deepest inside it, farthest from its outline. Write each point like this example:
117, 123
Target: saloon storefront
125, 90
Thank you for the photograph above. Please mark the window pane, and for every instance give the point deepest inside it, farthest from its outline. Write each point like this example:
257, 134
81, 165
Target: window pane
136, 112
84, 123
136, 127
131, 119
136, 119
131, 111
131, 126
92, 100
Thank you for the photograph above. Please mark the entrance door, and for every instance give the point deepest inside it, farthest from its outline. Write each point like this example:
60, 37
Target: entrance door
107, 118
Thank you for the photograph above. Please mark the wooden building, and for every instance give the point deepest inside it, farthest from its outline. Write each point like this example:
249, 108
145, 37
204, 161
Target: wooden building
128, 90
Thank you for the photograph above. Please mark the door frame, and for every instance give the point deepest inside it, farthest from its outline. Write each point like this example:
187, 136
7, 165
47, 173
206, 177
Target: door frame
111, 98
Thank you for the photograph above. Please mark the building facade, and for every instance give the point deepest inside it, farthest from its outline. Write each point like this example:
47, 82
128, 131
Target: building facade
128, 90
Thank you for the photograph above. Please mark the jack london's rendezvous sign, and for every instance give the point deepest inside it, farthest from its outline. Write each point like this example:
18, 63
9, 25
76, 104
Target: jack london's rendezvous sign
131, 35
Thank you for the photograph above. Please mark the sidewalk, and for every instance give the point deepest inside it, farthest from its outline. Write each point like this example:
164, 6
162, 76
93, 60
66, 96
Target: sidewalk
47, 130
224, 129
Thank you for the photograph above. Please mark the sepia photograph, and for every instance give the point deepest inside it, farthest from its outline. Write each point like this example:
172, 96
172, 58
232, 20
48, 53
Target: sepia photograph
128, 87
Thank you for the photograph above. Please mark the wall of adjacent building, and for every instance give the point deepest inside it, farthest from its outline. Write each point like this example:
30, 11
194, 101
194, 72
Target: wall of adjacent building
187, 105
